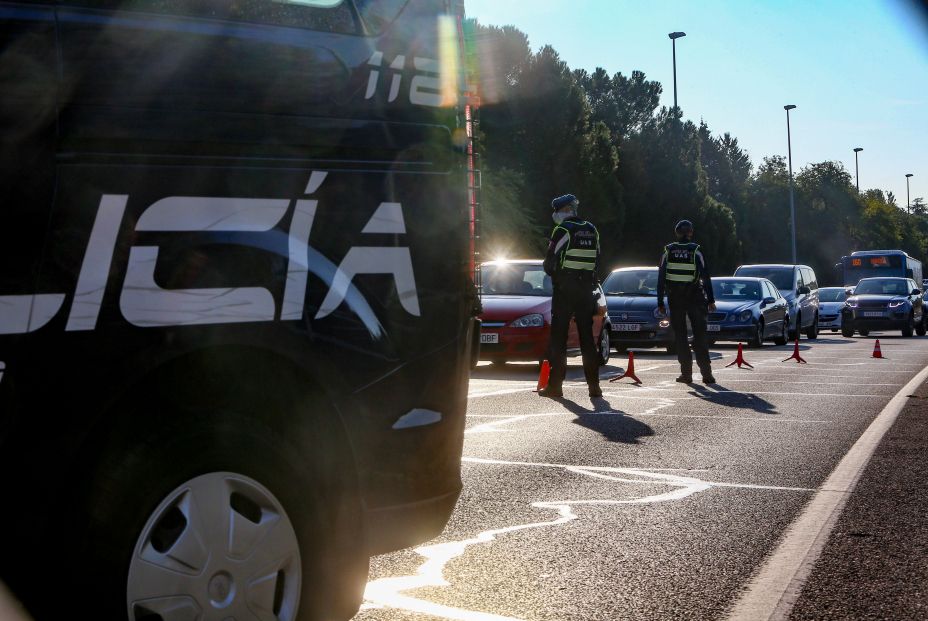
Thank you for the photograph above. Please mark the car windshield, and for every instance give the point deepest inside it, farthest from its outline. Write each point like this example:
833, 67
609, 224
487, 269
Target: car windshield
831, 295
736, 290
631, 282
781, 277
883, 286
515, 279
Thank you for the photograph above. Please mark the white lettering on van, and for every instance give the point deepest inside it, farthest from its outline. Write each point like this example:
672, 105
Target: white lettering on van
425, 87
144, 303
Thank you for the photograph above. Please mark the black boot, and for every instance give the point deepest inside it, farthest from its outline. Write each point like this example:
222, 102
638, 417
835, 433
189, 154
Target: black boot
551, 391
595, 390
685, 378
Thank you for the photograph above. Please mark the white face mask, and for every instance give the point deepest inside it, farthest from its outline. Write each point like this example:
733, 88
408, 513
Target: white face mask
560, 216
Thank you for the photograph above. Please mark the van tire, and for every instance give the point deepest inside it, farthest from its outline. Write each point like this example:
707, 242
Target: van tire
812, 330
140, 466
783, 337
909, 328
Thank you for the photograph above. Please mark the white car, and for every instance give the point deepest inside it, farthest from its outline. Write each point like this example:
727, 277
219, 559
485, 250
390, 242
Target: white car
830, 302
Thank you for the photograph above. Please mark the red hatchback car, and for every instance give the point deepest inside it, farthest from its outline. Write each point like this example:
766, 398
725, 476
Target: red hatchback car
516, 319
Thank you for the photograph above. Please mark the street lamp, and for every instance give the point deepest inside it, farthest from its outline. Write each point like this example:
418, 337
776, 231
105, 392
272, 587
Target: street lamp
857, 167
792, 204
908, 204
673, 37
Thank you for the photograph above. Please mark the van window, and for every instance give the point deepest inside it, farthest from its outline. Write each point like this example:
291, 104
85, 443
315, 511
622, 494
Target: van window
378, 14
808, 277
326, 15
781, 277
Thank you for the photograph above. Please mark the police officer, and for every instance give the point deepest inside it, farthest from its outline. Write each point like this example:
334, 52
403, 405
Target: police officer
684, 276
571, 262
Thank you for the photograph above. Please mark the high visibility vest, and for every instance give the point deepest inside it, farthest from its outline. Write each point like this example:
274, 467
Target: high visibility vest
581, 247
680, 262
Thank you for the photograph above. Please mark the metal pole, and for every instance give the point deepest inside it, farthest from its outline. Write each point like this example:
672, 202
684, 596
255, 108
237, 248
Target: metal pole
674, 43
673, 38
908, 203
857, 167
792, 203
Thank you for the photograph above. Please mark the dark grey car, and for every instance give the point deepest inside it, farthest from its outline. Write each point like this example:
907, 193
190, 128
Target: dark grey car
631, 295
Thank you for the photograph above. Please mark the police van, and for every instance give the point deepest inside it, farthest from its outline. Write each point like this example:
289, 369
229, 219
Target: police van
235, 303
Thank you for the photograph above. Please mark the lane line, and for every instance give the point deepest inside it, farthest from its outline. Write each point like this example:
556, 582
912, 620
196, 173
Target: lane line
752, 393
774, 589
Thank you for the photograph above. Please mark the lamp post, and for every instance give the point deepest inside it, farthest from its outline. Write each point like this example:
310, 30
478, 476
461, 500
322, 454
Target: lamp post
673, 37
908, 203
857, 167
792, 203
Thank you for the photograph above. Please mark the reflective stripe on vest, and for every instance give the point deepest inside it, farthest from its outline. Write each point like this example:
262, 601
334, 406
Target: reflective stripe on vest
577, 265
682, 272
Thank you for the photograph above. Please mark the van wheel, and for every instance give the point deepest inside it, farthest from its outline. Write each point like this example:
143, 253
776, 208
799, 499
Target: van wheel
812, 330
920, 328
847, 332
909, 328
794, 332
207, 511
604, 346
783, 338
864, 332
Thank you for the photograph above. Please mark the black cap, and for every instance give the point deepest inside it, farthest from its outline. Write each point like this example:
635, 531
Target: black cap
683, 225
563, 201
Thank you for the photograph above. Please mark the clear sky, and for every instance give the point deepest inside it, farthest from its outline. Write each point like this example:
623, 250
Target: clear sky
857, 70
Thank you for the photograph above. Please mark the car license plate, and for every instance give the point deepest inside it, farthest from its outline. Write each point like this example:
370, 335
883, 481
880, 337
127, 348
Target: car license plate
873, 314
628, 327
714, 327
489, 337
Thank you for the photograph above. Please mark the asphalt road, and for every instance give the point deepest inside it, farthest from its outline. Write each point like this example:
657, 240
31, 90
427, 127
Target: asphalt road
655, 501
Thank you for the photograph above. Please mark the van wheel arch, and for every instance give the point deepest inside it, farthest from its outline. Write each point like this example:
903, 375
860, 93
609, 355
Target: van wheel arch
199, 400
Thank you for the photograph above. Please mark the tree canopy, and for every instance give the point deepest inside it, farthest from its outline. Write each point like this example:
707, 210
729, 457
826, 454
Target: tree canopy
547, 130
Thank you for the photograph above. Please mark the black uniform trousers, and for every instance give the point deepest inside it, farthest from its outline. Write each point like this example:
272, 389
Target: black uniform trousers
574, 296
688, 300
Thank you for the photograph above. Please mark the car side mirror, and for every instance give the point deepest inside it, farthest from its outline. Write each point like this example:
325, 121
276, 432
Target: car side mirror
916, 292
766, 301
803, 290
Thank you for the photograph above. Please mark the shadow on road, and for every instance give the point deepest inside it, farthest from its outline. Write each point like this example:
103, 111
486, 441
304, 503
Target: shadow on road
614, 425
733, 399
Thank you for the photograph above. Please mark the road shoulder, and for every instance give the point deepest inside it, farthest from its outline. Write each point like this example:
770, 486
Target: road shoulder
875, 563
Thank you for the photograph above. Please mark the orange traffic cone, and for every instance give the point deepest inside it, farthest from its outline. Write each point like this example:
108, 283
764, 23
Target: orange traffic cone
877, 353
629, 370
796, 355
740, 361
544, 375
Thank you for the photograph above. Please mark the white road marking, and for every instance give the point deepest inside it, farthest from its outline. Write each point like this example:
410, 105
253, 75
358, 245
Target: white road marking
388, 592
752, 393
774, 589
770, 381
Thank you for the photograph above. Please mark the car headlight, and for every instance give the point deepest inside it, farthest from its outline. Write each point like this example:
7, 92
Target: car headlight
896, 303
745, 315
534, 320
851, 303
664, 323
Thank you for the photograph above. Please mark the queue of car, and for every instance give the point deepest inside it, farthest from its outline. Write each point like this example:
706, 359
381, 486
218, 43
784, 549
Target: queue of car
759, 303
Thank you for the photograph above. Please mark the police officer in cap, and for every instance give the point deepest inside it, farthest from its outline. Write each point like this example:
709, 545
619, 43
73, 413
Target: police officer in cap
685, 278
571, 262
